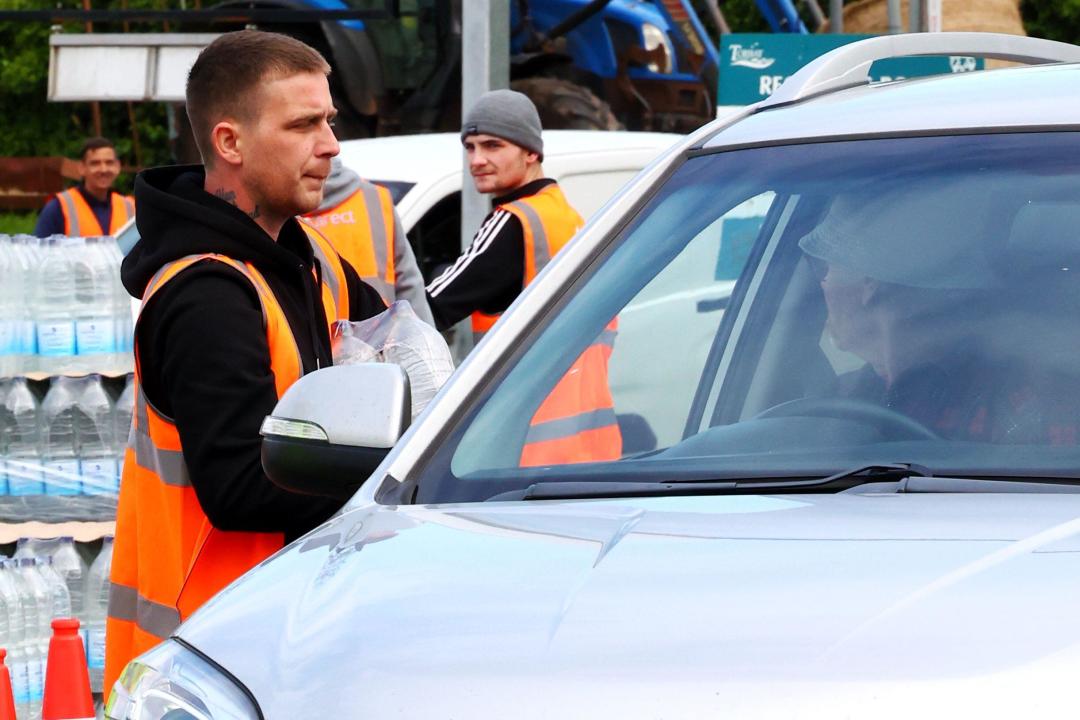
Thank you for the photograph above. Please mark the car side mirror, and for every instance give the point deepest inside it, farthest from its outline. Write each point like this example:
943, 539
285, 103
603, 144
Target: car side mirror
333, 427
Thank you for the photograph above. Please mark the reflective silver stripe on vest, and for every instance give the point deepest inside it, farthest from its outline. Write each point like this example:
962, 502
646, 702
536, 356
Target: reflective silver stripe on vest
168, 465
607, 338
570, 426
71, 214
380, 242
125, 603
129, 205
328, 275
541, 250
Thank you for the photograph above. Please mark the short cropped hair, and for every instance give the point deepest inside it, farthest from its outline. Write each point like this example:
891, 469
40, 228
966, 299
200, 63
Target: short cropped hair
95, 143
225, 78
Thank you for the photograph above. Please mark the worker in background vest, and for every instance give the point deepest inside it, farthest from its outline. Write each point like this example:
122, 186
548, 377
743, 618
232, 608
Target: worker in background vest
237, 302
530, 222
91, 208
359, 220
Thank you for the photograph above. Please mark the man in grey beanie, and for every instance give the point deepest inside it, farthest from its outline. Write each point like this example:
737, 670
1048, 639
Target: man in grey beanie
529, 223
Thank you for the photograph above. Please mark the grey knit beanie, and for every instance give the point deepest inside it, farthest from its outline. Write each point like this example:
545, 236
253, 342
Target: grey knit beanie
507, 114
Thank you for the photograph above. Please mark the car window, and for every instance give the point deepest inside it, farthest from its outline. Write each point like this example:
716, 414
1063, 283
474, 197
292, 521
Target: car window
665, 331
894, 300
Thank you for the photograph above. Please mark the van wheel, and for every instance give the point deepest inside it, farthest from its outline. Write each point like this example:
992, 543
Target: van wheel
564, 105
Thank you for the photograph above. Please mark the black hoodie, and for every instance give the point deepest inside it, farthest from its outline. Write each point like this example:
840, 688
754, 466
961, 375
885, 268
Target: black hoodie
202, 349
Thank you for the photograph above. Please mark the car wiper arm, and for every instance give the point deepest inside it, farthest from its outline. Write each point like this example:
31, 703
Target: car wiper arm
878, 478
564, 490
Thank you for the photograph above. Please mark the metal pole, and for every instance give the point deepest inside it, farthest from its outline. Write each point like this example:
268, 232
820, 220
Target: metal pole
894, 16
915, 16
485, 65
836, 16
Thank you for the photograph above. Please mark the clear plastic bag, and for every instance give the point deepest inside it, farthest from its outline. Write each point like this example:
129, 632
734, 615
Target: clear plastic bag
398, 336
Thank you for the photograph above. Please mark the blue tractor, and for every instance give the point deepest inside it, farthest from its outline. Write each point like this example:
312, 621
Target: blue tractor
638, 64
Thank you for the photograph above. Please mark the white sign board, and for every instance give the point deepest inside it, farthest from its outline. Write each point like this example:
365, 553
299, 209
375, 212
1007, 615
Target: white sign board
151, 66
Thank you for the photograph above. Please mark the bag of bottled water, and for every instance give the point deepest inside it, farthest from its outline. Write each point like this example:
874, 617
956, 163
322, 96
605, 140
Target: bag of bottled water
94, 432
22, 440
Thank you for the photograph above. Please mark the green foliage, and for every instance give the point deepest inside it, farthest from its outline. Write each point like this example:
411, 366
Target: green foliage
14, 223
35, 127
1052, 19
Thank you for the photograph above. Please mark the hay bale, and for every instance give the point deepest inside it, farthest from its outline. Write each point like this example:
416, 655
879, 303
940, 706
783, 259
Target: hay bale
1001, 16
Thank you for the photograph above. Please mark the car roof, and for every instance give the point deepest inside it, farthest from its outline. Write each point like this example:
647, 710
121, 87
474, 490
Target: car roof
423, 158
1039, 97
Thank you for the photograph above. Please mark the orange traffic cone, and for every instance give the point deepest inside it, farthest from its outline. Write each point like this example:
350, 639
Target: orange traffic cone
7, 698
67, 680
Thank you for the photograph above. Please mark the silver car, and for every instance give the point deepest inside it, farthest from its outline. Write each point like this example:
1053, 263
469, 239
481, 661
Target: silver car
847, 382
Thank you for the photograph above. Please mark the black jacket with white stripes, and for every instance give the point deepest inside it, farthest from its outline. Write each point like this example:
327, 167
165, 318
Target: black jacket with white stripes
491, 272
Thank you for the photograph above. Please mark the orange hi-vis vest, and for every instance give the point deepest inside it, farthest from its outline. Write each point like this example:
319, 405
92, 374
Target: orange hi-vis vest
361, 228
547, 222
80, 220
168, 559
576, 422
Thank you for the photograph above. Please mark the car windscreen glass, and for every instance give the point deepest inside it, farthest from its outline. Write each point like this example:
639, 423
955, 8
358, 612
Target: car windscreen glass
793, 311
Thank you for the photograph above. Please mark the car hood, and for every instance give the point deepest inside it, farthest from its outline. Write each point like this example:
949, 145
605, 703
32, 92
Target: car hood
779, 606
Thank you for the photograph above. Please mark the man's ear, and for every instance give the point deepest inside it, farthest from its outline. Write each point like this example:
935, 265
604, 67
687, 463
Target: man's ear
225, 142
82, 168
532, 157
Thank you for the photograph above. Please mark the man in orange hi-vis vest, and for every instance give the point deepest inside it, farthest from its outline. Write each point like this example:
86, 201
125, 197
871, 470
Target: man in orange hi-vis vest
530, 222
237, 300
359, 220
92, 207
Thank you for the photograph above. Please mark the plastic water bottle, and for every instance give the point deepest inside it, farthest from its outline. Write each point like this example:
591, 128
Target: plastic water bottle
94, 431
97, 604
23, 435
58, 449
55, 305
121, 304
7, 308
69, 564
27, 249
59, 596
10, 591
95, 323
36, 600
123, 412
5, 423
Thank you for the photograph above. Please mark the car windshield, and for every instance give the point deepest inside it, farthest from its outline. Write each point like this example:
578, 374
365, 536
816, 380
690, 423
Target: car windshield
794, 311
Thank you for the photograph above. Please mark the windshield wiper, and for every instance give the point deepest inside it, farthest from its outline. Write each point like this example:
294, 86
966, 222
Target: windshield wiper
878, 478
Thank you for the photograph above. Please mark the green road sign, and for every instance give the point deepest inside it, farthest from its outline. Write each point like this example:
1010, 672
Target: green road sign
752, 65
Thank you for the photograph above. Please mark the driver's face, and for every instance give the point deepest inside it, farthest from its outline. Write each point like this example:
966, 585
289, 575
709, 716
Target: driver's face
848, 322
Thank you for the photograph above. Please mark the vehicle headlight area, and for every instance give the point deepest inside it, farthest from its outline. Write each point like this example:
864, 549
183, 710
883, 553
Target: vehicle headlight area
653, 37
171, 682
